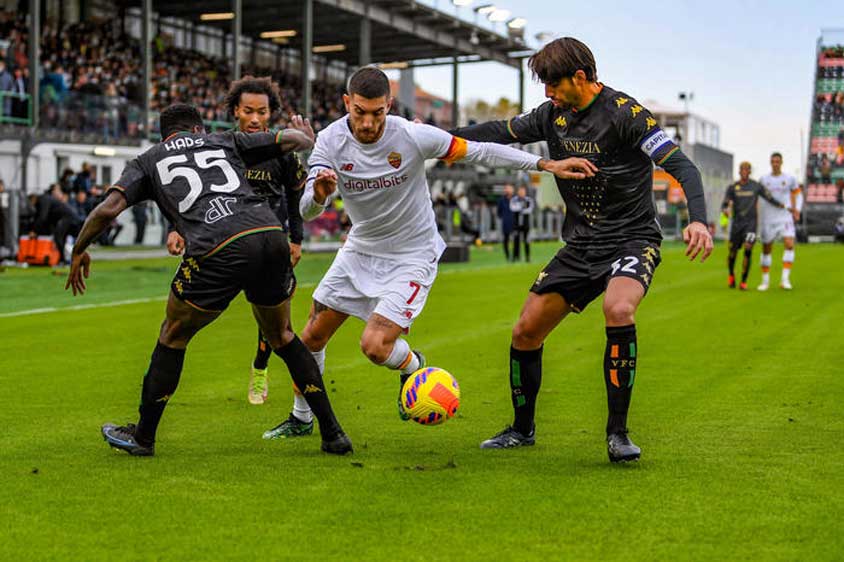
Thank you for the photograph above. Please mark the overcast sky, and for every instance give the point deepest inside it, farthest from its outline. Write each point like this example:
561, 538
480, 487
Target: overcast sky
750, 64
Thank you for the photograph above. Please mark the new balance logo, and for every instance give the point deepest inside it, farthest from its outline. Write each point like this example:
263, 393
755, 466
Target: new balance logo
310, 389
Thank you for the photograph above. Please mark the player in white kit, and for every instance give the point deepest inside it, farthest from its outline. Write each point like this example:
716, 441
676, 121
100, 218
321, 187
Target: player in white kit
778, 223
386, 268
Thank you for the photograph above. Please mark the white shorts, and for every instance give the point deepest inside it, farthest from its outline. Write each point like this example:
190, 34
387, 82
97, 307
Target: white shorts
359, 284
780, 228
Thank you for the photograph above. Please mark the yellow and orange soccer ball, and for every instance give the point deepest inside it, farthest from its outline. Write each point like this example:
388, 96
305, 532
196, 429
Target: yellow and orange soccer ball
430, 396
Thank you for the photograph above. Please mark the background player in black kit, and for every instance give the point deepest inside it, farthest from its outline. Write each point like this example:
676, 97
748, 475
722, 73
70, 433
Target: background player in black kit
740, 202
611, 232
234, 243
253, 102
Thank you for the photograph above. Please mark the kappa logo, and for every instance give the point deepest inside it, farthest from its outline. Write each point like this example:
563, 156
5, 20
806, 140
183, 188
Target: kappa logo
650, 122
560, 121
621, 101
310, 389
636, 109
394, 158
541, 277
348, 167
164, 398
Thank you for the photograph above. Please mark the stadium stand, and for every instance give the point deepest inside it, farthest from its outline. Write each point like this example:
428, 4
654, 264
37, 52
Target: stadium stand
825, 165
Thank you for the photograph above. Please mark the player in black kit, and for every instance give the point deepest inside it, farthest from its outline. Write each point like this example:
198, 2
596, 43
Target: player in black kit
253, 102
740, 202
234, 243
611, 231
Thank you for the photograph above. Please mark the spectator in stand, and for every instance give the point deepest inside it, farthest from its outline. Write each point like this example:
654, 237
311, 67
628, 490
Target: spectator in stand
522, 206
20, 105
7, 84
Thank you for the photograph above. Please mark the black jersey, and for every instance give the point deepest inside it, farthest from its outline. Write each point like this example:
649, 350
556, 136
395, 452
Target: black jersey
280, 181
199, 183
744, 198
622, 139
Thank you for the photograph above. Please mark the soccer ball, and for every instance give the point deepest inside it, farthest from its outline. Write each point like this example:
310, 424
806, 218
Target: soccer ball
430, 396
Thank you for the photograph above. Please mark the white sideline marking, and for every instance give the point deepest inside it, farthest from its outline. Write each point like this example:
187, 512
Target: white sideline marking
79, 307
47, 310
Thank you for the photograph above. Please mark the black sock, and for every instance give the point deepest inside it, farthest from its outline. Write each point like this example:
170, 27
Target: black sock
619, 372
731, 260
525, 379
305, 374
160, 382
262, 355
745, 265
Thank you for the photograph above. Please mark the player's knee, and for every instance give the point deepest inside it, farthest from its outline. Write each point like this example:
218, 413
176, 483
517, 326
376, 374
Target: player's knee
524, 336
174, 333
619, 313
280, 339
374, 348
313, 340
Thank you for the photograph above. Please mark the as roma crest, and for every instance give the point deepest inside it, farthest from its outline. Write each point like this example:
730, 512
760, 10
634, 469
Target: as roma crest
394, 158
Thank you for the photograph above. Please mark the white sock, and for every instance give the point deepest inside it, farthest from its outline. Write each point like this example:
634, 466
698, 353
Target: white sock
787, 260
765, 262
402, 358
300, 406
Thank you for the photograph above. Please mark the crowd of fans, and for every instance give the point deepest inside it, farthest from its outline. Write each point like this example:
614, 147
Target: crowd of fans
92, 79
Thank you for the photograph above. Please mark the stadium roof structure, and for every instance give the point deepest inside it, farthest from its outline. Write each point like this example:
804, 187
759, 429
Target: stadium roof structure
404, 31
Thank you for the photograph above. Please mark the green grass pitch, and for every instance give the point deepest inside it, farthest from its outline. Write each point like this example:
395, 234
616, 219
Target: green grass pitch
737, 407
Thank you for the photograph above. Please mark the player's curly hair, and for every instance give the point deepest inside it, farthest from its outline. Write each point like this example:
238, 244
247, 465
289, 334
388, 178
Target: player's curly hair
253, 85
560, 59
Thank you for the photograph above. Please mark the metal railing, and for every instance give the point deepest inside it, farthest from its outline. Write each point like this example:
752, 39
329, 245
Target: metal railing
10, 104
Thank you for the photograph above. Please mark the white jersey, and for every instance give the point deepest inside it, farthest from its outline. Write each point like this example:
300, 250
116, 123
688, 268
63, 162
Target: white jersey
384, 187
781, 187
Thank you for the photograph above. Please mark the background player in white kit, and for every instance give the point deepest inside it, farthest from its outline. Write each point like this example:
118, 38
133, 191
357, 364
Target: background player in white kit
384, 271
778, 223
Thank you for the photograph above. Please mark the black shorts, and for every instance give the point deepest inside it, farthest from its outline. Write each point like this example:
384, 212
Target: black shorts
257, 264
580, 276
741, 234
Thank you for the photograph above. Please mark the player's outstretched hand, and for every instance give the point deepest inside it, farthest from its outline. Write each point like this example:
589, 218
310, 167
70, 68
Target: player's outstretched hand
570, 168
295, 253
325, 184
300, 124
175, 244
80, 267
697, 239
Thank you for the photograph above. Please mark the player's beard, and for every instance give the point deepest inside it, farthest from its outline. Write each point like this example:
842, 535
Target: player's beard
368, 136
